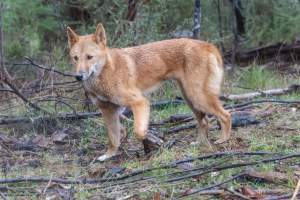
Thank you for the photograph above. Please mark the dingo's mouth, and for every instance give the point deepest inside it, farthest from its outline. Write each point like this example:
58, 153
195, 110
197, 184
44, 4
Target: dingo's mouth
84, 77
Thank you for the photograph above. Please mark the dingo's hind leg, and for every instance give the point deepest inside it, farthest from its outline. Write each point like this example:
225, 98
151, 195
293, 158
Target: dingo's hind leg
202, 100
202, 137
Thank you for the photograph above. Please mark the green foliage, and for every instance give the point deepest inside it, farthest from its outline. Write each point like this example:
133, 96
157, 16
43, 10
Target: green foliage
272, 21
256, 77
33, 27
27, 24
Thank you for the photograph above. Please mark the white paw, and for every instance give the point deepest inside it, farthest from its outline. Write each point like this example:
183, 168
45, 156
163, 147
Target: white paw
220, 141
195, 143
103, 157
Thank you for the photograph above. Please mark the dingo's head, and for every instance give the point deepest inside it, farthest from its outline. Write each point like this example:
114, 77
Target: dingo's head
88, 53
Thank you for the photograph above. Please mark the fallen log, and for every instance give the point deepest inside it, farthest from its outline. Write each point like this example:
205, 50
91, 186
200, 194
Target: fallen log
231, 166
265, 93
41, 119
262, 54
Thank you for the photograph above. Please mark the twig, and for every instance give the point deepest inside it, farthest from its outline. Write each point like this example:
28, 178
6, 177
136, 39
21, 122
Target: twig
181, 128
50, 69
285, 196
211, 192
3, 196
137, 172
21, 96
230, 166
213, 186
47, 186
239, 105
241, 196
296, 190
34, 120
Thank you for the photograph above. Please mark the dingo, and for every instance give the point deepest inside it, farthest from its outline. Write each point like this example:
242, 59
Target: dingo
114, 78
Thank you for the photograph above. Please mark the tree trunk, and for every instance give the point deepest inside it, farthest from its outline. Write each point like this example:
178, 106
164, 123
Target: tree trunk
239, 18
220, 22
131, 10
1, 43
197, 19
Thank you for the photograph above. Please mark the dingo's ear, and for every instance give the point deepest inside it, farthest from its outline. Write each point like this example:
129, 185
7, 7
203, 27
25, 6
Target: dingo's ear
100, 36
72, 37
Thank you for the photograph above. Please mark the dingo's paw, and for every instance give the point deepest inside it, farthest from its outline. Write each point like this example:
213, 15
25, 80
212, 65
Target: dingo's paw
220, 141
104, 157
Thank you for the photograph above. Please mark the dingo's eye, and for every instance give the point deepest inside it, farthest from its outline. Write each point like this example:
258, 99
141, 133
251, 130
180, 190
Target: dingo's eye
75, 58
89, 57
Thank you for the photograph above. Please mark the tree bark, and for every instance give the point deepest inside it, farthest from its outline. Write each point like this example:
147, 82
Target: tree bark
220, 22
131, 10
239, 17
197, 19
1, 44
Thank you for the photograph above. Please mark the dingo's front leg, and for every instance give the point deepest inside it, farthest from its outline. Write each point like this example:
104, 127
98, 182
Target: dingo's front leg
141, 113
111, 114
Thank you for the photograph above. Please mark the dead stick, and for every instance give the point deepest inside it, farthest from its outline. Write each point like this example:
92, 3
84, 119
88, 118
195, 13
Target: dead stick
3, 196
137, 172
50, 69
239, 105
236, 193
296, 190
34, 120
214, 185
21, 96
230, 166
285, 196
271, 92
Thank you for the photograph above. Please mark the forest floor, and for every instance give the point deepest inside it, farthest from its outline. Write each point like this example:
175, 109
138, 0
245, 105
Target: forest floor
70, 150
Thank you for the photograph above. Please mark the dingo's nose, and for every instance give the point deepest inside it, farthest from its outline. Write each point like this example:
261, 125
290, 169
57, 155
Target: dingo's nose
79, 77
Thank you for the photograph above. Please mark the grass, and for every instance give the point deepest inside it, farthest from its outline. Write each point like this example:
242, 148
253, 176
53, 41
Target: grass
258, 78
64, 161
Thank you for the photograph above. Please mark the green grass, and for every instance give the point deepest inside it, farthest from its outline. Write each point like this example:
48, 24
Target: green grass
258, 78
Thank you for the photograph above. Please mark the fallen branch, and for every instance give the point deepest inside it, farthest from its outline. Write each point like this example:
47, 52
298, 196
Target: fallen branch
40, 119
235, 193
5, 78
296, 190
195, 191
265, 93
230, 166
239, 105
268, 52
31, 62
137, 172
285, 196
269, 176
15, 91
181, 128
